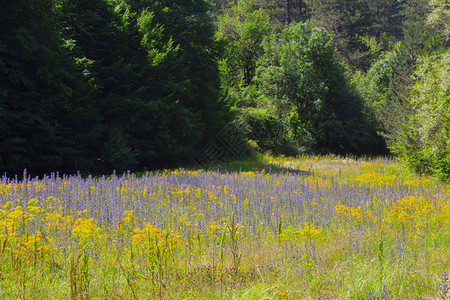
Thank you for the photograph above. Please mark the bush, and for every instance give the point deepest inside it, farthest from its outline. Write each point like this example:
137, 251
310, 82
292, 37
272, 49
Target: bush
424, 142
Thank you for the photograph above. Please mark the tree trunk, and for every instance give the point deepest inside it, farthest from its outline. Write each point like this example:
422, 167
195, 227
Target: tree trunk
288, 12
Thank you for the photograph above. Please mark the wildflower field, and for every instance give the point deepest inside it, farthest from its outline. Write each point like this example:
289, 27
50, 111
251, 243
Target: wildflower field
273, 228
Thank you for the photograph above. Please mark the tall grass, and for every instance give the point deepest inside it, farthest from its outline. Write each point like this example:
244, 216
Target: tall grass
274, 228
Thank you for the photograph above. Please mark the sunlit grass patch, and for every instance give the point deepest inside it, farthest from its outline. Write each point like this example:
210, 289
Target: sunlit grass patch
281, 228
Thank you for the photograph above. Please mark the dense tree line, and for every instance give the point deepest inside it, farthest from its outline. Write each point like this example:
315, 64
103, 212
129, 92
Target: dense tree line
103, 85
110, 85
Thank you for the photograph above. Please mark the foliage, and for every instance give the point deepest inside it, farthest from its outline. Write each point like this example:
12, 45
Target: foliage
268, 131
282, 13
387, 83
387, 86
47, 118
103, 85
425, 138
401, 91
439, 17
303, 76
242, 30
97, 86
375, 84
354, 22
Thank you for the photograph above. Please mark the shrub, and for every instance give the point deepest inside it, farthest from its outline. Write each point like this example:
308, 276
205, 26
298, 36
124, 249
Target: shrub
425, 139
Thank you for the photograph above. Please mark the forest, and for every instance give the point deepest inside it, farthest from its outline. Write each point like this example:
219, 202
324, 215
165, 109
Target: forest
96, 86
225, 149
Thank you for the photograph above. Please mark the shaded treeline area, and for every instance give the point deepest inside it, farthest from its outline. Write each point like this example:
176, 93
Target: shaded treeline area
96, 86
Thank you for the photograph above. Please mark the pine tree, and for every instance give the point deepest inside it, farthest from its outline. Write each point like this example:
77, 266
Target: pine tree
46, 115
355, 22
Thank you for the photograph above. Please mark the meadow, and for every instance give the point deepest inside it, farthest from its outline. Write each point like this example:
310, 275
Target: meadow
272, 228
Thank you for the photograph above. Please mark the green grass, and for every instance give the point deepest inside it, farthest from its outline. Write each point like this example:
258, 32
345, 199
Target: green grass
359, 229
